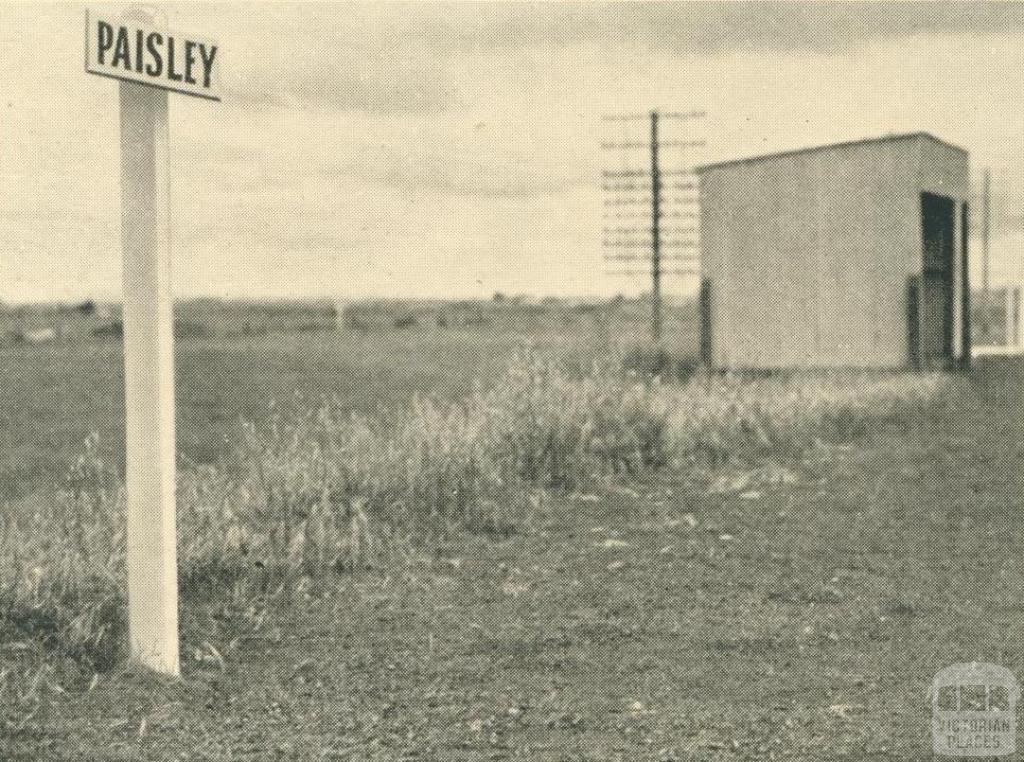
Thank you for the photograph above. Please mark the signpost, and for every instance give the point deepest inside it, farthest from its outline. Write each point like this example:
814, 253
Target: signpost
149, 61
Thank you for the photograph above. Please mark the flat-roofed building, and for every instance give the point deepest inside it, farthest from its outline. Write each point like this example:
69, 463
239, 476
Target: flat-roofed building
844, 255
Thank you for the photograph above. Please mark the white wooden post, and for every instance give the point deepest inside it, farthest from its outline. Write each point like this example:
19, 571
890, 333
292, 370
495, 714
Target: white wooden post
149, 61
149, 378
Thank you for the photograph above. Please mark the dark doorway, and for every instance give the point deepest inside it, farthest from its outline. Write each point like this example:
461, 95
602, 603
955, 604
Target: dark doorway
936, 294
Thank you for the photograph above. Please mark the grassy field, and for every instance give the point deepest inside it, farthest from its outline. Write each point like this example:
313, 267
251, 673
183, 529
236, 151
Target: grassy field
792, 606
53, 396
693, 617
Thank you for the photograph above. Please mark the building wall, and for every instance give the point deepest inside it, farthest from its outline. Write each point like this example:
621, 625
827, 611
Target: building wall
945, 170
809, 254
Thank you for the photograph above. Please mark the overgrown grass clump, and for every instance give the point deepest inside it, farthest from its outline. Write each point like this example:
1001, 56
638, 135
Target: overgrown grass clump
326, 490
318, 491
721, 418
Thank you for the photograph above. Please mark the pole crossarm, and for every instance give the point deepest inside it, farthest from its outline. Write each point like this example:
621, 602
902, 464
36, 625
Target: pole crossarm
679, 244
663, 216
662, 144
644, 201
673, 271
645, 173
615, 187
641, 117
627, 231
642, 258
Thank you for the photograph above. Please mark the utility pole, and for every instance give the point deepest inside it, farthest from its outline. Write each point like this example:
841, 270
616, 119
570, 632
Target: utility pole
624, 241
986, 181
655, 234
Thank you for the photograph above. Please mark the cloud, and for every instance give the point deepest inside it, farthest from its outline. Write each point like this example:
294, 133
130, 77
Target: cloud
687, 28
301, 89
466, 177
325, 57
415, 57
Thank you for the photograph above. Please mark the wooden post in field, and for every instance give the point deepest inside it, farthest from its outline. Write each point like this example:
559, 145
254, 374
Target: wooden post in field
985, 306
1017, 315
149, 378
1013, 316
149, 61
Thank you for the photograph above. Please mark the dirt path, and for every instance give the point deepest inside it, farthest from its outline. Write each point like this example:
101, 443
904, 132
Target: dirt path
796, 620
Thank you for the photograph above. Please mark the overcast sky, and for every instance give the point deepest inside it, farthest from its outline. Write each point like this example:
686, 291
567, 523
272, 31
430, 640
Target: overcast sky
453, 149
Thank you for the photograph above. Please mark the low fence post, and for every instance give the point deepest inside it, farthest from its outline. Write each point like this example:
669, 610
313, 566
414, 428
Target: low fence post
704, 307
914, 322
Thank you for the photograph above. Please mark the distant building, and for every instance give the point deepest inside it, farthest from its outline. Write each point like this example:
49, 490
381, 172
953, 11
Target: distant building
998, 320
853, 254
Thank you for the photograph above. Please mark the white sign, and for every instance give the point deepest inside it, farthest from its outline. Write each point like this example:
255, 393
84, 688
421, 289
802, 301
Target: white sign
128, 50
